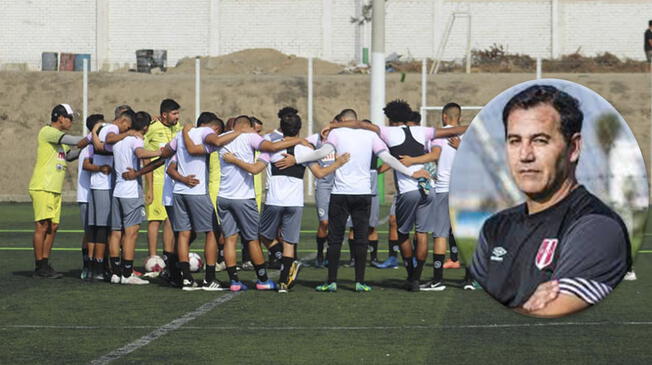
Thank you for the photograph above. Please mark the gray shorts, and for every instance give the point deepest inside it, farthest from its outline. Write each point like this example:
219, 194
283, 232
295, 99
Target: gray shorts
392, 208
99, 208
441, 216
412, 209
193, 213
126, 212
373, 213
322, 199
238, 216
284, 220
83, 215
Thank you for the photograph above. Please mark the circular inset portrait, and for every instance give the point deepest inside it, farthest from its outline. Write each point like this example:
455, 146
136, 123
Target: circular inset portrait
549, 197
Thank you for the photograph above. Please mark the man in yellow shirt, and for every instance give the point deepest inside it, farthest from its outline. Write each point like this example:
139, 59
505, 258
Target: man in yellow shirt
159, 134
45, 186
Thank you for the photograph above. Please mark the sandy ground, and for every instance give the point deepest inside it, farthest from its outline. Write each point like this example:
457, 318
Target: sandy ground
27, 98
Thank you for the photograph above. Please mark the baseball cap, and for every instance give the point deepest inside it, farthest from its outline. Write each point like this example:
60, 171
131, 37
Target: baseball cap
63, 110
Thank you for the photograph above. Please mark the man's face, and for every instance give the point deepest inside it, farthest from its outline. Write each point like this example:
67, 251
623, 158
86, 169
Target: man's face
216, 128
539, 158
124, 124
66, 123
171, 118
258, 127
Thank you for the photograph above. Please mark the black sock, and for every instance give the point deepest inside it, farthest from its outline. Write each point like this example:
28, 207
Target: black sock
98, 265
166, 258
393, 248
184, 267
276, 251
437, 267
467, 274
409, 267
320, 248
286, 262
85, 258
115, 265
44, 262
261, 272
127, 268
453, 246
373, 250
418, 270
38, 264
333, 256
210, 273
351, 255
233, 273
360, 256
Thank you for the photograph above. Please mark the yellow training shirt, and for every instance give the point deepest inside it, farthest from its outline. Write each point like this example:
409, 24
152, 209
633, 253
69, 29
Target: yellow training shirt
50, 167
158, 135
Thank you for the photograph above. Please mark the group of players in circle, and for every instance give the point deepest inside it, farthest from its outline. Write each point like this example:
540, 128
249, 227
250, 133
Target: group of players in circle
343, 158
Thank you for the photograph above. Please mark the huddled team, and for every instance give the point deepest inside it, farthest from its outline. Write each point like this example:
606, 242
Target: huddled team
116, 195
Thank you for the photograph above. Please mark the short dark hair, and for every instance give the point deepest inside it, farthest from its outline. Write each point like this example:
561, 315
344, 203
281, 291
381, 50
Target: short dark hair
398, 111
206, 117
286, 110
93, 119
452, 110
129, 114
348, 113
255, 120
290, 125
168, 105
649, 23
142, 121
567, 106
416, 117
119, 109
242, 119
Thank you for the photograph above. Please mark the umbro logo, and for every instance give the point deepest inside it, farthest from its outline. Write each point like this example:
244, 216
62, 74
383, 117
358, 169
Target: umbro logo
497, 254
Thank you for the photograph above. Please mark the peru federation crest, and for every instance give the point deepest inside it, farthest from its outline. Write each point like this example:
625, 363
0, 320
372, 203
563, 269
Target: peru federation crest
546, 253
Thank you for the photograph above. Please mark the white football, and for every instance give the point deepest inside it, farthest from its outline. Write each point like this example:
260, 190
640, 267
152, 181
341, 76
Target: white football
195, 261
154, 264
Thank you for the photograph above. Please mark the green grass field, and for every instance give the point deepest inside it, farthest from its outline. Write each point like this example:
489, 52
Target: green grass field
70, 321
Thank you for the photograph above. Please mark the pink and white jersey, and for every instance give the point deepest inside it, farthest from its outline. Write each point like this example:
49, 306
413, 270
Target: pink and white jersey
327, 181
100, 181
124, 157
83, 176
445, 164
354, 177
236, 183
396, 136
188, 164
284, 190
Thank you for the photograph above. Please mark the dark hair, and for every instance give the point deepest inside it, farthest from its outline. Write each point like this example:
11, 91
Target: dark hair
120, 109
416, 117
206, 117
286, 110
241, 119
348, 113
142, 121
93, 119
168, 105
649, 23
567, 106
338, 117
398, 111
129, 114
452, 110
255, 120
290, 125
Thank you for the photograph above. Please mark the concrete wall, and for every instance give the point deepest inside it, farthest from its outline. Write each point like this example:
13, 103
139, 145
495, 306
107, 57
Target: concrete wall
111, 31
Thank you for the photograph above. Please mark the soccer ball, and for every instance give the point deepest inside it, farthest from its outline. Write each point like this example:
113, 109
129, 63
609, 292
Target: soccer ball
195, 261
154, 264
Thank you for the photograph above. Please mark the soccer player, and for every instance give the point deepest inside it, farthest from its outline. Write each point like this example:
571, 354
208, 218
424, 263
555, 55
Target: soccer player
127, 204
351, 195
160, 133
413, 206
283, 207
83, 198
563, 249
53, 152
236, 199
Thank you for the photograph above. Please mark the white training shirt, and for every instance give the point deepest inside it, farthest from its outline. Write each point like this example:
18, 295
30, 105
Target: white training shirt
394, 136
327, 181
272, 136
354, 177
83, 176
284, 191
168, 183
99, 180
445, 164
236, 183
124, 157
188, 164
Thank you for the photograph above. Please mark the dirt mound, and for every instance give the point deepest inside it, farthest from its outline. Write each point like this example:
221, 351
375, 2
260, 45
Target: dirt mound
259, 61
